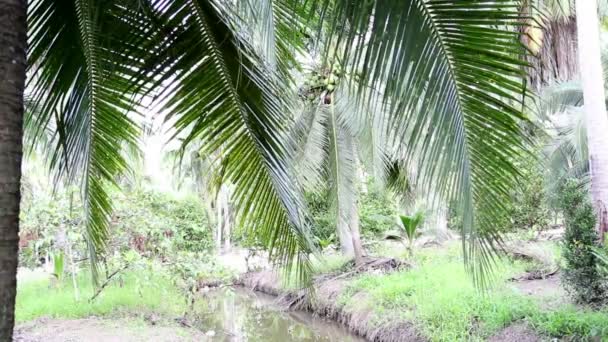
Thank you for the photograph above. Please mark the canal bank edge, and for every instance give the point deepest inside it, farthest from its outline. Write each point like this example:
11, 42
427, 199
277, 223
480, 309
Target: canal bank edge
323, 301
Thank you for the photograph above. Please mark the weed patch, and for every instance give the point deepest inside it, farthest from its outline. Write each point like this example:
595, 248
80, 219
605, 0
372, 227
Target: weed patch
439, 296
132, 292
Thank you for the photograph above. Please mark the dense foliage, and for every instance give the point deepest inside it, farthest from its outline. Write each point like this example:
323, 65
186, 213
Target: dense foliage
528, 207
377, 214
157, 224
581, 276
153, 224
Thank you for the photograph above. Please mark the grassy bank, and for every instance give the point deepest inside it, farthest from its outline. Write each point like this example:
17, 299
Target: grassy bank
132, 293
439, 297
435, 299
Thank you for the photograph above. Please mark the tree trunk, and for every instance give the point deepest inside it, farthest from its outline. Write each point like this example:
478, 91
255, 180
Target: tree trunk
219, 228
355, 233
227, 227
556, 61
224, 218
441, 225
13, 45
345, 236
595, 107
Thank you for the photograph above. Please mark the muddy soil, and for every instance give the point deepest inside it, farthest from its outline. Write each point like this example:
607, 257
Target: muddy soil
101, 330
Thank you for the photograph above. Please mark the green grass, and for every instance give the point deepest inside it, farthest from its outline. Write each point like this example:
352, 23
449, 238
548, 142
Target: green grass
141, 292
439, 296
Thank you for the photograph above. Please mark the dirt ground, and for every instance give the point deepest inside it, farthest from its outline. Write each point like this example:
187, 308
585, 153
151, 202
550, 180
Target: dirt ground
516, 333
101, 330
550, 290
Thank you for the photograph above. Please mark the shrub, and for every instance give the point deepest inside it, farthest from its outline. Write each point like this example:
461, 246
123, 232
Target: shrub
581, 277
154, 224
529, 207
158, 224
323, 221
377, 211
48, 222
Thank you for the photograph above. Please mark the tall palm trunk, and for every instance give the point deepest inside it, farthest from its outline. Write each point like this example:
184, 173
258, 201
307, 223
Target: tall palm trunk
356, 234
13, 43
595, 108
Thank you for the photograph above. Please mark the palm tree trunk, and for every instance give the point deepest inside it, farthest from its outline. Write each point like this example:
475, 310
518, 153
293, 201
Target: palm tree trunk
13, 45
345, 236
441, 225
557, 58
595, 108
356, 234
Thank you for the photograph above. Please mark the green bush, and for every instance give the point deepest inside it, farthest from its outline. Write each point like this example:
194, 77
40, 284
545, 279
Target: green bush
45, 221
158, 224
323, 221
377, 212
154, 224
581, 277
528, 208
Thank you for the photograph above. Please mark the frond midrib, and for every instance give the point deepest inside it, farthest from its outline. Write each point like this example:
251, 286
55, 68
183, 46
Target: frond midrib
89, 42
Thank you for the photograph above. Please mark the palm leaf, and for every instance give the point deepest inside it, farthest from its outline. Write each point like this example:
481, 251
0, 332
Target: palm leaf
411, 224
80, 86
311, 133
452, 79
219, 94
275, 28
342, 171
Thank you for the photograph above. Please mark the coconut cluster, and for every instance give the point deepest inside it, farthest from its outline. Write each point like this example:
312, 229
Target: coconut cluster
323, 81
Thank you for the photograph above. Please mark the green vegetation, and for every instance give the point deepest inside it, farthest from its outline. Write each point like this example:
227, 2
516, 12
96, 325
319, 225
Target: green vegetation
155, 224
133, 293
582, 276
438, 295
410, 225
377, 214
284, 122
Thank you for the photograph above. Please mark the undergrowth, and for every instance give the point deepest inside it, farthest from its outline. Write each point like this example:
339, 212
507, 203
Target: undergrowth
133, 293
438, 295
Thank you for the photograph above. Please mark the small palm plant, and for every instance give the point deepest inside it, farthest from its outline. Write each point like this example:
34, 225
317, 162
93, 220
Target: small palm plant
410, 227
58, 265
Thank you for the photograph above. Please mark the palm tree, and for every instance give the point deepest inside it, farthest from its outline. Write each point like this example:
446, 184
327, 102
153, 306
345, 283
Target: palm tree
451, 77
12, 72
552, 38
333, 141
596, 117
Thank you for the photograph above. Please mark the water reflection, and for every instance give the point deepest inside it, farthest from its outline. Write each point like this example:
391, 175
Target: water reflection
239, 314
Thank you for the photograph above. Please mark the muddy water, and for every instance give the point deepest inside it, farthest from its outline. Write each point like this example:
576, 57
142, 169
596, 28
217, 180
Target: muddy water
238, 314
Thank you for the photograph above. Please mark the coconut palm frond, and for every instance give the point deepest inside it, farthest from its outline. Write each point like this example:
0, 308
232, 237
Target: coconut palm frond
277, 29
342, 170
452, 78
220, 95
311, 133
80, 84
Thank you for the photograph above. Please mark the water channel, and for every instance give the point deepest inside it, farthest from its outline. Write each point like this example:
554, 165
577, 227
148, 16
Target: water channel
238, 314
